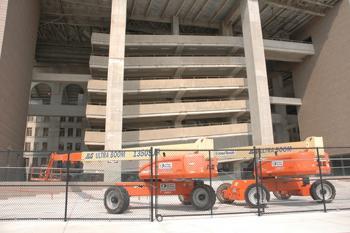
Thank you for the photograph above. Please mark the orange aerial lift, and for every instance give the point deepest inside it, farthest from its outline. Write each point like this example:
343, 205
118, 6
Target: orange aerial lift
175, 175
285, 175
56, 169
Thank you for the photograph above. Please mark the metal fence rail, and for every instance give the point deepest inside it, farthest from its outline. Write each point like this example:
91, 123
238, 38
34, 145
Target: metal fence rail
157, 186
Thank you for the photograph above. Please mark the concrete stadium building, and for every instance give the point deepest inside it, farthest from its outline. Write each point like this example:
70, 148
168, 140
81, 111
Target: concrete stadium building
151, 72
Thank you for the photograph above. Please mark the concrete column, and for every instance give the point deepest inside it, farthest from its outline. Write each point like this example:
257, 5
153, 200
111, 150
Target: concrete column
175, 26
115, 86
226, 29
114, 106
54, 132
281, 132
56, 94
259, 102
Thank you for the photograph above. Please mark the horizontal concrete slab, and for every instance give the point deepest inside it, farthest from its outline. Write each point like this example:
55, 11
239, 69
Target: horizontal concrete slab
285, 101
100, 62
60, 77
172, 109
167, 44
165, 85
171, 135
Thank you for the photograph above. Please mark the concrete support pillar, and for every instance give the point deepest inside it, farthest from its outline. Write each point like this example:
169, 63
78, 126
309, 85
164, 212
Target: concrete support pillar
281, 131
259, 101
56, 94
115, 86
54, 132
175, 26
115, 81
178, 121
226, 29
179, 95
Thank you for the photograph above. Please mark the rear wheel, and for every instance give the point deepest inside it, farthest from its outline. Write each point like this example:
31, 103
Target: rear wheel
253, 192
328, 191
281, 196
116, 200
220, 193
203, 197
185, 200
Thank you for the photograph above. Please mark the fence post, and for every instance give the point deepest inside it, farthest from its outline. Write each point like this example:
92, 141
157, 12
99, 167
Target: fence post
156, 152
321, 178
151, 184
210, 179
261, 177
257, 181
67, 185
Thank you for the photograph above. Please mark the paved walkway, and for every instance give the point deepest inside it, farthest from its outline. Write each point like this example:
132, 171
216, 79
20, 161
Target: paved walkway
337, 222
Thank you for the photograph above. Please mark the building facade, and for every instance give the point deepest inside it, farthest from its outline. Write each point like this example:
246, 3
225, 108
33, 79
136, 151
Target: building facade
153, 72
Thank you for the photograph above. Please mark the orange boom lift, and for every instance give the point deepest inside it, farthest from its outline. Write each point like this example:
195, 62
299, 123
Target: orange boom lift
176, 175
285, 175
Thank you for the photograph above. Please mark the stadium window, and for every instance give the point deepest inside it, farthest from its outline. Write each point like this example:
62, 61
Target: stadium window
29, 131
69, 146
78, 132
45, 132
62, 132
44, 146
70, 132
37, 130
27, 146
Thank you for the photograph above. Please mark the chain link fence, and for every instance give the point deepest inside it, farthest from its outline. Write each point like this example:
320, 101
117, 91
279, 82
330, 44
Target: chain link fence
156, 184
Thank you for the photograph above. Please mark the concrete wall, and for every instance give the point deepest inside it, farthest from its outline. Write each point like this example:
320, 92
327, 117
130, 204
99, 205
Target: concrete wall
17, 56
322, 81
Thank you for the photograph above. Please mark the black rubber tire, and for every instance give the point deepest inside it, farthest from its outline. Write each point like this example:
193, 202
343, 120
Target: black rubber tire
281, 196
184, 201
316, 188
252, 188
219, 194
116, 200
203, 197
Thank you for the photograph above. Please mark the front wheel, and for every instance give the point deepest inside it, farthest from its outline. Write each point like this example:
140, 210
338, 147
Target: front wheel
256, 195
203, 197
116, 200
220, 193
328, 191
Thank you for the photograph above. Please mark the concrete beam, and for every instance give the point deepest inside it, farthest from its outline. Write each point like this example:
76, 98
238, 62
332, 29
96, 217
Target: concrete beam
275, 49
58, 77
285, 101
171, 135
98, 62
172, 109
166, 85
